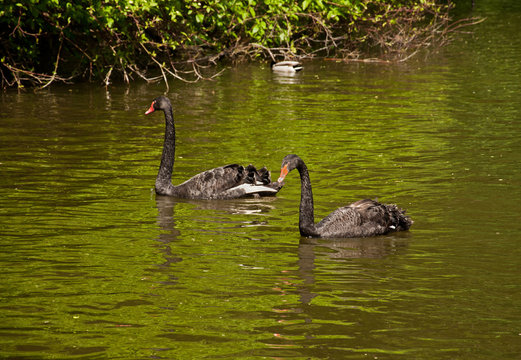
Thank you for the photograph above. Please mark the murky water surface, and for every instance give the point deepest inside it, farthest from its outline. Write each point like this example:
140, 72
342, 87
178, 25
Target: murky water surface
96, 266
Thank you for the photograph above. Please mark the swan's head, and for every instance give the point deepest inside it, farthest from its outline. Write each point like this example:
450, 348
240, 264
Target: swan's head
159, 103
289, 163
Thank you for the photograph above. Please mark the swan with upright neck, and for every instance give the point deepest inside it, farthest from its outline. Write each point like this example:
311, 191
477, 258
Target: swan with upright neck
225, 182
360, 219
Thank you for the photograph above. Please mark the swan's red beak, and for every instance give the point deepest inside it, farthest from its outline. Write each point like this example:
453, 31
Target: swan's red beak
151, 110
283, 172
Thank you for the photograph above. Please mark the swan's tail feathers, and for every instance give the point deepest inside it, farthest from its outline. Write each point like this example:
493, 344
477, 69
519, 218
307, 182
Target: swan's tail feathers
264, 176
250, 174
257, 177
399, 221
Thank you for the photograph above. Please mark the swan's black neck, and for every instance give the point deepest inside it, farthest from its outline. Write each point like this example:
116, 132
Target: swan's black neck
306, 212
164, 176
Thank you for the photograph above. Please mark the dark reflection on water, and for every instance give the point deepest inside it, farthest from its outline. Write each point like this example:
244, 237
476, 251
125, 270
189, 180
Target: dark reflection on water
96, 266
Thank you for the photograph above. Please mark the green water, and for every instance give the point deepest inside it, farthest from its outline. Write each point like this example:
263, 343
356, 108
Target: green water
94, 265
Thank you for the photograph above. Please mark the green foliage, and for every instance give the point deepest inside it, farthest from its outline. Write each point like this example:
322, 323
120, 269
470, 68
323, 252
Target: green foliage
91, 38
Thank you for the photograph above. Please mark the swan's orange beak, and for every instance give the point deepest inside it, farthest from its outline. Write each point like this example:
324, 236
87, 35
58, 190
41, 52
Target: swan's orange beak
283, 172
151, 110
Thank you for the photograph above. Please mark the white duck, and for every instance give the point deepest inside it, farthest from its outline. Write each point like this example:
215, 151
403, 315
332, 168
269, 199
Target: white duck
286, 66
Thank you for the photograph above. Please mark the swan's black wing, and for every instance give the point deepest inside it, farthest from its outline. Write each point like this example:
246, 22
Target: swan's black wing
227, 182
363, 218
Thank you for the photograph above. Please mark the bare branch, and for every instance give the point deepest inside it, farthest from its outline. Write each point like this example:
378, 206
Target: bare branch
55, 66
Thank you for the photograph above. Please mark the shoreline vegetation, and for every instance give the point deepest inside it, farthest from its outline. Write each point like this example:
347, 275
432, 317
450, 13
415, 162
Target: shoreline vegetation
51, 41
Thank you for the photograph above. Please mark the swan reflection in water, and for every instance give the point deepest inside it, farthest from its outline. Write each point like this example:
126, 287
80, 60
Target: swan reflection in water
244, 206
218, 214
338, 260
340, 251
167, 236
222, 224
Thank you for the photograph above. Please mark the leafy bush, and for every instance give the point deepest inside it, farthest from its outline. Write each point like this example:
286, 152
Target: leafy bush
48, 40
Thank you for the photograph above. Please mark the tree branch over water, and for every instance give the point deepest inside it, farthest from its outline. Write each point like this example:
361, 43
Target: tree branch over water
121, 40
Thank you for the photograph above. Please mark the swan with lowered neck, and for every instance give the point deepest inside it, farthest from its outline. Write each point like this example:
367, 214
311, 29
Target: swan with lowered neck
225, 182
360, 219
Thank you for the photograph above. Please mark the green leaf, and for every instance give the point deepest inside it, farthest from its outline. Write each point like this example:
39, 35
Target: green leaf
199, 18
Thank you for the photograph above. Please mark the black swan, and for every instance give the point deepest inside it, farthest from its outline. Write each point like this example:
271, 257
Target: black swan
225, 182
360, 219
286, 66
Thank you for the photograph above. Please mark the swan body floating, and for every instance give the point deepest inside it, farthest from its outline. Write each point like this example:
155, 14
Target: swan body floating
286, 66
225, 182
360, 219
